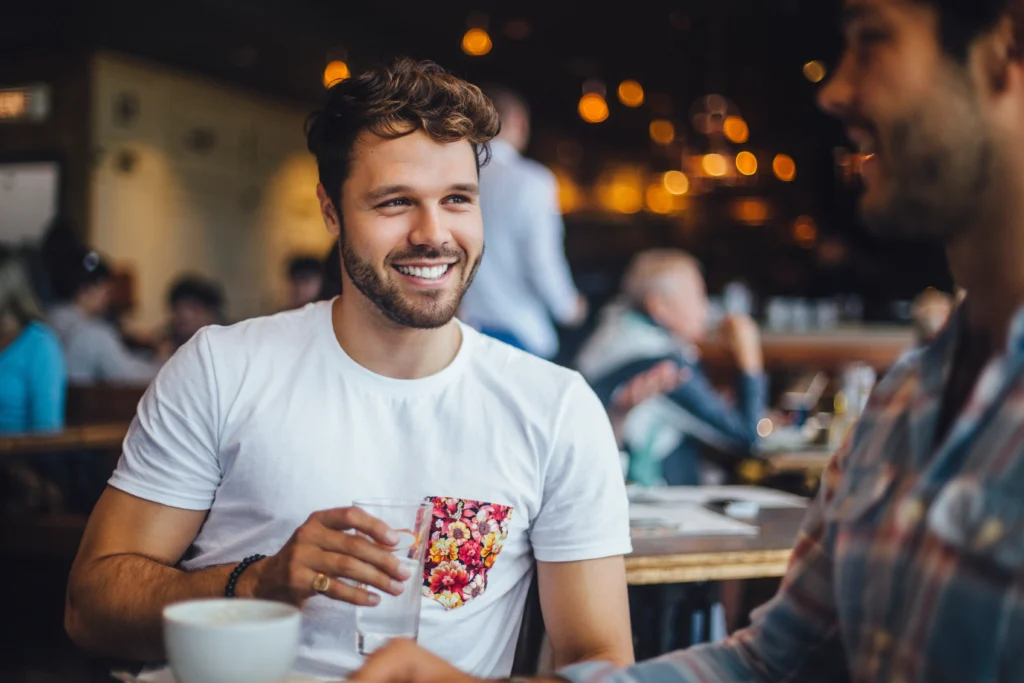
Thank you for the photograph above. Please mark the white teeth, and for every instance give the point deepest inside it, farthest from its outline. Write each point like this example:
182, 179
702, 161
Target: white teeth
431, 273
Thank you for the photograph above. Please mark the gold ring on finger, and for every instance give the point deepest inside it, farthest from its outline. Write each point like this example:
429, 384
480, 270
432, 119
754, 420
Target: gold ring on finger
321, 583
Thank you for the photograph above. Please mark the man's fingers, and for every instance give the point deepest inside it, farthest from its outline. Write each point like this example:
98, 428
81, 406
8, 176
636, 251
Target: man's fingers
354, 519
354, 569
355, 546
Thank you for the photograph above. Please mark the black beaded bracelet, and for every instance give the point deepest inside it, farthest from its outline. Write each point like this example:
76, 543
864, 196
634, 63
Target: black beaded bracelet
229, 590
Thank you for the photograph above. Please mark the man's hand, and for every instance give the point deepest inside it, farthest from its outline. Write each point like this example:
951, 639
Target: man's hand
660, 379
323, 546
742, 335
402, 661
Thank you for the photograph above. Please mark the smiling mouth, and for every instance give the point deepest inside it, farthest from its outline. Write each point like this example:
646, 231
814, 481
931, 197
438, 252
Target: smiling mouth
425, 273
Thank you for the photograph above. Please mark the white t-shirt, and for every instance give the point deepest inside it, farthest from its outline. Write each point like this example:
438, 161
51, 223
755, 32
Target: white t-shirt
267, 421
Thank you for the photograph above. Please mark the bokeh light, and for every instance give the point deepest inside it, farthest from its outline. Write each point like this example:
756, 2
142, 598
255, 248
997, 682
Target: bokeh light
746, 163
676, 182
805, 231
621, 190
631, 93
751, 210
593, 108
815, 71
715, 165
476, 42
570, 196
662, 131
659, 200
335, 71
736, 130
784, 168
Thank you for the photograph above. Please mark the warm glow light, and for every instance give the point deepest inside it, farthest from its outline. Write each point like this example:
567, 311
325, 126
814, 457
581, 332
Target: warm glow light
746, 163
805, 231
751, 211
593, 108
765, 428
815, 71
659, 200
736, 130
715, 165
570, 196
476, 42
631, 93
621, 191
334, 72
676, 182
662, 131
784, 168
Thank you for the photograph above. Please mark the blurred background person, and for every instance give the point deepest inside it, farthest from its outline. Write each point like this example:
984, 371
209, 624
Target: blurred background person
305, 280
524, 279
661, 316
195, 302
94, 351
33, 380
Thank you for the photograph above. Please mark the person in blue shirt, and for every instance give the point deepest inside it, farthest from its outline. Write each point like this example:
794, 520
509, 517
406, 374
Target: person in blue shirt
660, 318
33, 380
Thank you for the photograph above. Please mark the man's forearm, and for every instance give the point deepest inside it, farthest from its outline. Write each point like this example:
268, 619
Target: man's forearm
114, 605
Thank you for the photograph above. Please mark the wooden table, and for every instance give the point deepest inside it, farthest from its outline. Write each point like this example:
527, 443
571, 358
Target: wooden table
829, 350
88, 437
811, 463
686, 559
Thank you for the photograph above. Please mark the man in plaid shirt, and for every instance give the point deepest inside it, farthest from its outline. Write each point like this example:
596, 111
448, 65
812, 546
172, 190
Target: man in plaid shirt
910, 564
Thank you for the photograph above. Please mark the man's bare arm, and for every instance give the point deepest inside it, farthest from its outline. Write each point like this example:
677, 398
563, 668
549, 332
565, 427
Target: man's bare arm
586, 610
125, 573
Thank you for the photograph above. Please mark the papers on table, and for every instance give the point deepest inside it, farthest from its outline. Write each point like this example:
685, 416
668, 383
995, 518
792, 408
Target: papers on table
701, 495
680, 511
684, 519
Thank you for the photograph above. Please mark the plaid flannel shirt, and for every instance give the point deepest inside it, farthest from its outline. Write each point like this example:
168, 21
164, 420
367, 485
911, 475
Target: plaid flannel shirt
910, 564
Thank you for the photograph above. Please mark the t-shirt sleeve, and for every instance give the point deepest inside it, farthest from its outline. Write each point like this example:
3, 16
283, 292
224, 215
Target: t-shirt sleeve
584, 514
170, 455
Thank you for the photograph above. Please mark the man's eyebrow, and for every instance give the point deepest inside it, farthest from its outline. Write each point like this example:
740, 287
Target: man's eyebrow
386, 190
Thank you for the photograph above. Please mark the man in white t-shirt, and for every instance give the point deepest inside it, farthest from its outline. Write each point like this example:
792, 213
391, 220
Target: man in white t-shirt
256, 438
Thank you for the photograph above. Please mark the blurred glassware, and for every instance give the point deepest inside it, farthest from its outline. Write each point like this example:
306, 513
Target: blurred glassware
738, 299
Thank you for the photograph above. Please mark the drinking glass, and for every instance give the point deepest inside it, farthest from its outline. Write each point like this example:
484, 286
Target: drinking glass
396, 616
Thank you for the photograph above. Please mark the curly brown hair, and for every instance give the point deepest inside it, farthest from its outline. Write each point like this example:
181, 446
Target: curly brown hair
391, 101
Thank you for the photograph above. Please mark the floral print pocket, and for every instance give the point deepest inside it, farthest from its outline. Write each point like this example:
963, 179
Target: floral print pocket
466, 537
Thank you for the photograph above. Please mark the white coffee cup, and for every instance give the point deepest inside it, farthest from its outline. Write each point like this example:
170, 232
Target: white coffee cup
231, 640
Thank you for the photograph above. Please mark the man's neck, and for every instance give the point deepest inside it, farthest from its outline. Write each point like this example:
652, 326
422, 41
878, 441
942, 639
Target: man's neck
987, 263
389, 349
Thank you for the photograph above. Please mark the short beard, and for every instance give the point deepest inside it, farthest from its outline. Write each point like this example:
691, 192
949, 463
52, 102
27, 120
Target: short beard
388, 298
938, 163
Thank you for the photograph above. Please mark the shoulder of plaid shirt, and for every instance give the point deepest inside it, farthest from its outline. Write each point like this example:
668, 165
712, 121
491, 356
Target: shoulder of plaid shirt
910, 563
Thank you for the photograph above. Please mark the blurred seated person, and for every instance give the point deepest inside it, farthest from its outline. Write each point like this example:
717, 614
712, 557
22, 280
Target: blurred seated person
33, 381
305, 279
94, 351
661, 317
931, 311
195, 302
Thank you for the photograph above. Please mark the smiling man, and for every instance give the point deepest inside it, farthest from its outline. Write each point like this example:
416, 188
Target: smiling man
239, 472
910, 564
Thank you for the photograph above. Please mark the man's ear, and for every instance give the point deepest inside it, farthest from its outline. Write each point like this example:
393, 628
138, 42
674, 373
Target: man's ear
999, 54
327, 209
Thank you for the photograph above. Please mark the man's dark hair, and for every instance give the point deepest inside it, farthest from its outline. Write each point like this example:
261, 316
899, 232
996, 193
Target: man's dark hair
961, 22
301, 267
204, 292
392, 101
